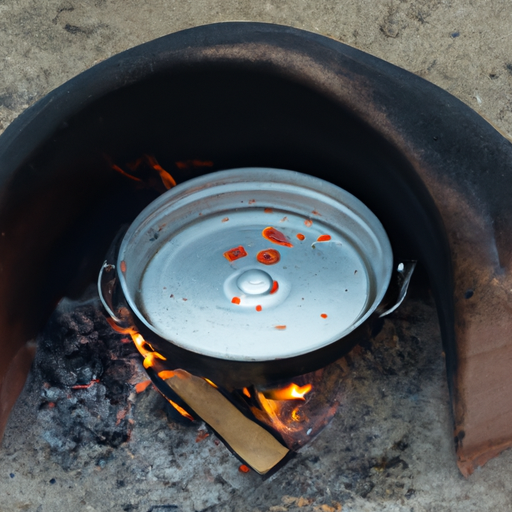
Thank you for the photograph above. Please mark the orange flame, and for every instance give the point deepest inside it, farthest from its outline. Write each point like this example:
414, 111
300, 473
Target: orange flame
291, 392
278, 410
150, 358
180, 409
120, 171
167, 180
142, 386
192, 164
211, 383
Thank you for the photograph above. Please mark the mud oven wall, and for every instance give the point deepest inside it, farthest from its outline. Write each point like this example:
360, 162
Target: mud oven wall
247, 94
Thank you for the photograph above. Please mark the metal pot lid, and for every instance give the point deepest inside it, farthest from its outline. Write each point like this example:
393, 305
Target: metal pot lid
255, 264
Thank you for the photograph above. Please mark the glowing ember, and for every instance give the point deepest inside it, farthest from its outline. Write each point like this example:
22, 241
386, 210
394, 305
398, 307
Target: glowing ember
268, 257
276, 237
120, 171
201, 435
297, 416
150, 162
244, 469
235, 253
193, 164
246, 392
323, 238
85, 386
166, 178
142, 386
291, 392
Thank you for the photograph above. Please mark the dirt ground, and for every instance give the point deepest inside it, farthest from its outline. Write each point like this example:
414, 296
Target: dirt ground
389, 447
463, 46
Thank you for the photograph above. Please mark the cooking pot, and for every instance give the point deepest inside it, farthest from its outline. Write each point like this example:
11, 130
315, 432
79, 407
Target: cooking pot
252, 275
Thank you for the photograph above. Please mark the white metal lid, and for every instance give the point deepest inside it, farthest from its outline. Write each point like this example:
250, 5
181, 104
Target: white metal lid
255, 264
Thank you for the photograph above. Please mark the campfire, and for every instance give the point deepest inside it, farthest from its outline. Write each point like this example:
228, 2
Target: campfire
264, 423
91, 374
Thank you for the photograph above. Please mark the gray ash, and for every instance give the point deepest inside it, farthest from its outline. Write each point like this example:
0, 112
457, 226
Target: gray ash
85, 371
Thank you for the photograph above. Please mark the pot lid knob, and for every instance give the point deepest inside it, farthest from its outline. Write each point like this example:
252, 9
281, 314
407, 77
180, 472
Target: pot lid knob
254, 282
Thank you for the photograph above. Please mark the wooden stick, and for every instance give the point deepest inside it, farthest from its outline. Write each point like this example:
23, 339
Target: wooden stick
256, 446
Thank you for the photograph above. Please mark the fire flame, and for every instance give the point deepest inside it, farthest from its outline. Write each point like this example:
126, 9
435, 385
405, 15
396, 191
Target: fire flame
167, 180
291, 392
151, 358
277, 408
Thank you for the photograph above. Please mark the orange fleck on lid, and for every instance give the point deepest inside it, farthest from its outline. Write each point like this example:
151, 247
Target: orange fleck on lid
323, 238
275, 287
280, 327
300, 236
268, 257
225, 219
258, 308
268, 210
276, 237
323, 315
123, 266
235, 253
308, 223
235, 300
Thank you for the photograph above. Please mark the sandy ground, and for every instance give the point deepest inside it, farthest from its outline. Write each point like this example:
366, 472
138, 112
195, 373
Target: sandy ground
463, 47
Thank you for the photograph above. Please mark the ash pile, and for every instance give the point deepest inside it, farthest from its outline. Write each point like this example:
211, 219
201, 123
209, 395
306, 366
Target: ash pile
85, 372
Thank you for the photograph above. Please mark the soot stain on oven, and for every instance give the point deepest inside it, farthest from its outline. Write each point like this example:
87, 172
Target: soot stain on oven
370, 451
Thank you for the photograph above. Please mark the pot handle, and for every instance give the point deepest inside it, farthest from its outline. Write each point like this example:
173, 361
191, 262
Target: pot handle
107, 282
398, 288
